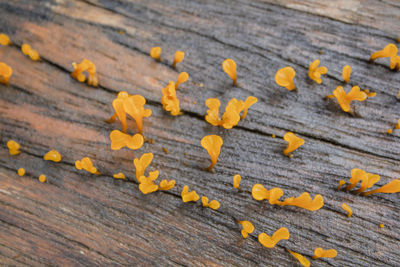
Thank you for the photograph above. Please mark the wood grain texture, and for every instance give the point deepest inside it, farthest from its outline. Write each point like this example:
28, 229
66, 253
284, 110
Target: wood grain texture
80, 219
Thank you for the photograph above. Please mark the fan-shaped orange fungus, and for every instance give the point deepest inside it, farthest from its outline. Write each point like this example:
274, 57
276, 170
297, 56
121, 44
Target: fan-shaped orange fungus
294, 142
118, 105
13, 147
315, 72
120, 139
213, 204
389, 51
119, 175
236, 181
134, 107
178, 57
344, 99
259, 192
189, 196
212, 143
348, 209
4, 39
229, 67
52, 155
89, 67
305, 201
155, 52
284, 77
21, 171
86, 164
346, 73
5, 73
142, 163
321, 253
248, 228
182, 77
367, 180
389, 188
303, 260
270, 242
166, 185
42, 178
29, 51
251, 100
169, 100
146, 184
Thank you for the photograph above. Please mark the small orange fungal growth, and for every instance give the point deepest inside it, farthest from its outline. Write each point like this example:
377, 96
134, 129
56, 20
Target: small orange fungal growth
344, 99
169, 100
178, 57
229, 66
89, 67
315, 72
142, 163
212, 143
341, 183
303, 260
189, 196
13, 147
305, 201
369, 94
294, 142
52, 155
213, 204
21, 171
284, 77
42, 178
118, 105
389, 51
389, 131
321, 253
155, 53
120, 139
248, 228
5, 73
146, 184
182, 77
346, 73
389, 188
86, 164
236, 181
251, 100
4, 39
348, 209
381, 225
270, 242
367, 180
166, 185
119, 175
29, 51
134, 107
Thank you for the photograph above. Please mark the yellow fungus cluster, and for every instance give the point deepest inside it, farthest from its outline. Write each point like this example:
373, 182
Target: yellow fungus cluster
119, 175
294, 142
89, 67
348, 209
169, 100
13, 147
213, 204
346, 73
303, 260
284, 77
389, 51
52, 155
389, 188
236, 181
120, 140
21, 171
182, 77
212, 143
248, 228
5, 73
270, 242
178, 57
229, 66
42, 178
315, 72
4, 39
132, 105
344, 99
29, 51
87, 165
321, 253
155, 53
166, 185
189, 196
231, 117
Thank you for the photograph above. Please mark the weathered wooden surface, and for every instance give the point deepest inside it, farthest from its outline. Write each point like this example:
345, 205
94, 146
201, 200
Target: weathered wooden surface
80, 219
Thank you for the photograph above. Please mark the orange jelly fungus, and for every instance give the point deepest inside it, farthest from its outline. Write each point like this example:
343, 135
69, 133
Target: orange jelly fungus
86, 164
118, 105
303, 260
89, 67
42, 178
321, 253
392, 187
369, 94
52, 155
169, 100
236, 181
120, 139
213, 204
348, 209
346, 73
284, 77
344, 99
182, 77
178, 57
119, 175
389, 51
21, 171
134, 107
381, 225
142, 163
294, 142
341, 183
259, 192
270, 242
4, 39
189, 196
13, 147
166, 185
248, 228
5, 73
315, 72
229, 67
146, 184
212, 143
305, 201
29, 51
389, 131
155, 53
367, 180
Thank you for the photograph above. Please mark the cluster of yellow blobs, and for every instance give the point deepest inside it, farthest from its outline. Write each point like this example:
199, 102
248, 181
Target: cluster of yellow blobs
389, 51
89, 67
315, 72
189, 196
29, 51
344, 99
87, 165
5, 73
53, 155
120, 140
213, 144
270, 241
397, 126
13, 147
169, 100
248, 228
318, 253
213, 204
232, 116
294, 142
155, 52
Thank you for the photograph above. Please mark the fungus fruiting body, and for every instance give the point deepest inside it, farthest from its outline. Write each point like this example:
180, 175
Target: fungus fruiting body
346, 73
21, 171
248, 228
89, 67
229, 66
178, 57
367, 180
284, 77
381, 225
344, 99
315, 72
4, 39
305, 201
120, 140
182, 77
87, 165
341, 183
5, 73
388, 51
389, 188
169, 100
13, 147
188, 196
270, 242
142, 163
146, 184
294, 142
118, 105
134, 107
166, 185
303, 261
42, 178
52, 155
321, 253
212, 143
213, 204
348, 209
155, 53
29, 51
119, 175
236, 181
